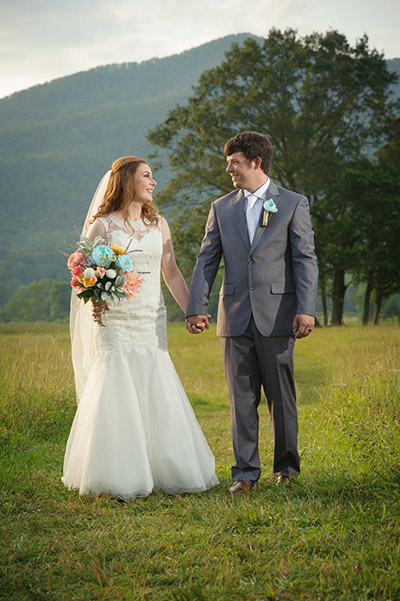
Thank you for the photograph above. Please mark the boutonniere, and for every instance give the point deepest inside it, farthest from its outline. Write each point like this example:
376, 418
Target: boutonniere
269, 207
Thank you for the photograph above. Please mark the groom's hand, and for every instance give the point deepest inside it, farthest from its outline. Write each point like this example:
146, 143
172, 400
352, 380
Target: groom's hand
303, 325
195, 324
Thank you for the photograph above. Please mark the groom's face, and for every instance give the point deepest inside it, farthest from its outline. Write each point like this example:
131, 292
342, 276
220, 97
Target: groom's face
244, 173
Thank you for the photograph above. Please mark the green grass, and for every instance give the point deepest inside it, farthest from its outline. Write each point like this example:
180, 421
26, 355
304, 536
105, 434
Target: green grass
332, 534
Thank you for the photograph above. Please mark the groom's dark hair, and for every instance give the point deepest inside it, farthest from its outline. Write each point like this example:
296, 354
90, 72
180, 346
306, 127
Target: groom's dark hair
252, 145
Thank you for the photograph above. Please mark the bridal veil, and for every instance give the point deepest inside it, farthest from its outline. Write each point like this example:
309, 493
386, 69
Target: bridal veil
82, 326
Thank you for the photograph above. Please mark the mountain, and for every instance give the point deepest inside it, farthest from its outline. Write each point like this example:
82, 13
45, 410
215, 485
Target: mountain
59, 138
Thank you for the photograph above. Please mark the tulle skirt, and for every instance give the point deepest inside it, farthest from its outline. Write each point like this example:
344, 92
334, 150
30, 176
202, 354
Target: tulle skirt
135, 432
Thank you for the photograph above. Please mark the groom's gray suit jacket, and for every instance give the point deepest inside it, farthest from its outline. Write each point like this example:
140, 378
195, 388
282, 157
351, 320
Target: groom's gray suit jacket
274, 278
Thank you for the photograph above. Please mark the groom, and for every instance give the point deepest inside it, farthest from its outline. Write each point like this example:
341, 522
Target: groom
267, 299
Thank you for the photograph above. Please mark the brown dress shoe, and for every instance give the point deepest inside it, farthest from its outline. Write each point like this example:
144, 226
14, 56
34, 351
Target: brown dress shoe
240, 486
283, 479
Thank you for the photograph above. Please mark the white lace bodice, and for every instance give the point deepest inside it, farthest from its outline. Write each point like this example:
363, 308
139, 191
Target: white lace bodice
140, 323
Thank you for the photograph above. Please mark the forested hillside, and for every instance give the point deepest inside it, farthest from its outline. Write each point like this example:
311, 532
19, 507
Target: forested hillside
57, 140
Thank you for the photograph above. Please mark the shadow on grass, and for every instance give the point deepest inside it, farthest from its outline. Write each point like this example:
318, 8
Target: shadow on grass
338, 486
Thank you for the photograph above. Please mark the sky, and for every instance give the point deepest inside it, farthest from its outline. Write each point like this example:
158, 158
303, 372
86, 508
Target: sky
41, 40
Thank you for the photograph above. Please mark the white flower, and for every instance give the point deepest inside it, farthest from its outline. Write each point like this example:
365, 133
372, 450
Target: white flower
111, 273
88, 273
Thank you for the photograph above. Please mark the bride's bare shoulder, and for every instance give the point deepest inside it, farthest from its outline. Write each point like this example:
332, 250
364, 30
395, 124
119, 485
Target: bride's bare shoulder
97, 228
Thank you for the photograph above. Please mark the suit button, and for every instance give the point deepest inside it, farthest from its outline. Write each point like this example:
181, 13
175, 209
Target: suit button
251, 287
251, 261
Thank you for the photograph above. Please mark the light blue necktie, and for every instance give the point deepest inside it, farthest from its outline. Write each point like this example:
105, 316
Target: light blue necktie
252, 215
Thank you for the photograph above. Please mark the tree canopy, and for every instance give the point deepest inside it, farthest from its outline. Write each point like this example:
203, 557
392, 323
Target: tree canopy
323, 102
45, 300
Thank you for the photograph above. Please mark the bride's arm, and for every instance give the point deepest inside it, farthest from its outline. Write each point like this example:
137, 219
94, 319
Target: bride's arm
171, 274
95, 229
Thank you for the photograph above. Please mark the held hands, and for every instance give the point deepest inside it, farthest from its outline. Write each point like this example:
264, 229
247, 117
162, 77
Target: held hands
196, 324
303, 325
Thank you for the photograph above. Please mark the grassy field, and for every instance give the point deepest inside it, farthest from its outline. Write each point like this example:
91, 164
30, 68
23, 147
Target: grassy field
332, 534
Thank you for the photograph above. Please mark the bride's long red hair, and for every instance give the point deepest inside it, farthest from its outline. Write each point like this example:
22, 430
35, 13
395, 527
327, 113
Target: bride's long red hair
121, 191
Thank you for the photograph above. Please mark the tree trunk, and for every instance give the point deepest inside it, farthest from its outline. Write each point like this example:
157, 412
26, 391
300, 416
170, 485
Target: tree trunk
367, 300
378, 305
338, 292
324, 302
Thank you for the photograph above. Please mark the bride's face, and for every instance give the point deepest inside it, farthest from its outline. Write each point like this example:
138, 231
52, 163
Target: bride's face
144, 184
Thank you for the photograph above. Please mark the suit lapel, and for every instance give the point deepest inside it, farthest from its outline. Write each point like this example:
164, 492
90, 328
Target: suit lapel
273, 193
237, 205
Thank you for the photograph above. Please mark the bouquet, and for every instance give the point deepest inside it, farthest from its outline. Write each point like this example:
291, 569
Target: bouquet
101, 272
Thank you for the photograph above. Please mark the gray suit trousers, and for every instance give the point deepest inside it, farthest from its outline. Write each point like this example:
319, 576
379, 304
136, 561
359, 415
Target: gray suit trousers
251, 361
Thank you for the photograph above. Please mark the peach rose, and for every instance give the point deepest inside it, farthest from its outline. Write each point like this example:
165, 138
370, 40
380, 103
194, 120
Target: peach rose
74, 259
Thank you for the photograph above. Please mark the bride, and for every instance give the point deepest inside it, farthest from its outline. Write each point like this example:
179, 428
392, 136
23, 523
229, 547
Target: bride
134, 431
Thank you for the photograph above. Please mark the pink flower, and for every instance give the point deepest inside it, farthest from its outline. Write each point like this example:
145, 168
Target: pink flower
77, 270
75, 282
132, 284
100, 271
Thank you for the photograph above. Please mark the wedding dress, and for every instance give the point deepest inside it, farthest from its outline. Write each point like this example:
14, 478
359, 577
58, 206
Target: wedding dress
134, 431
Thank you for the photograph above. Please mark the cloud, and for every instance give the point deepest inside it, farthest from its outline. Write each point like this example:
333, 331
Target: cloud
41, 40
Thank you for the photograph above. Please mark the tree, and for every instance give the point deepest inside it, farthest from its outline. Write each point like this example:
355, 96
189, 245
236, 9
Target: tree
391, 306
379, 186
365, 201
45, 300
387, 281
322, 101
